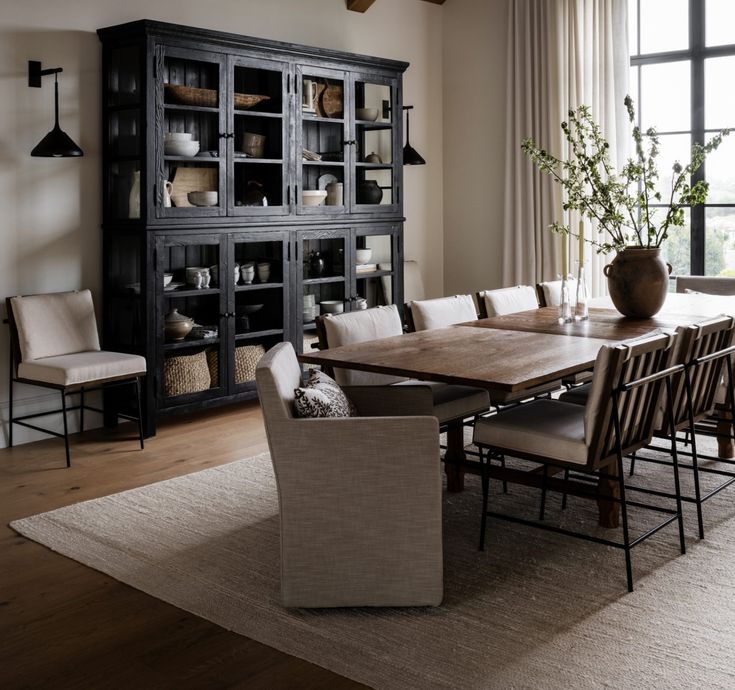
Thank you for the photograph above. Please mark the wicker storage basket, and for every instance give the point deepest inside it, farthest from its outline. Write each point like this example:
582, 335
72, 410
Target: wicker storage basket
186, 374
246, 359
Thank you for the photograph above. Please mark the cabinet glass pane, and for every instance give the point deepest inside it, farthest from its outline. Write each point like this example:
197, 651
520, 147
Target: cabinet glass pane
719, 98
657, 109
124, 133
664, 25
323, 278
719, 255
123, 77
719, 22
191, 141
374, 271
124, 189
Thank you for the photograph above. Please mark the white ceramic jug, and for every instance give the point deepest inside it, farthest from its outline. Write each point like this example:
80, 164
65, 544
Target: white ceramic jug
167, 189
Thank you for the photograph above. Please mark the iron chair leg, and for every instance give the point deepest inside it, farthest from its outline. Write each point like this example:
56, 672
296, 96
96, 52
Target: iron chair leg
140, 412
505, 482
564, 495
632, 464
10, 401
542, 509
675, 459
485, 490
66, 429
81, 410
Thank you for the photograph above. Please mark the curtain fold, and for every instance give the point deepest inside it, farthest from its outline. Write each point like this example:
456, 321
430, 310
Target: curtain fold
561, 54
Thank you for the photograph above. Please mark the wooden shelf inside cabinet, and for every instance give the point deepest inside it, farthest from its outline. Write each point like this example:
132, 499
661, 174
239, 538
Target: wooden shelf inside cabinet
330, 164
255, 113
213, 160
361, 275
258, 334
322, 281
192, 108
191, 292
367, 124
183, 344
260, 161
314, 118
258, 286
375, 166
310, 326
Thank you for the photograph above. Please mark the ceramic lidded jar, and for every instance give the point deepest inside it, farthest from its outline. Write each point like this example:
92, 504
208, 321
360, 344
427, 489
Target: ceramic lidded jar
177, 326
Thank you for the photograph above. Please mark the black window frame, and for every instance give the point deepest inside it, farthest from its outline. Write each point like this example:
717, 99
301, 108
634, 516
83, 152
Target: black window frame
696, 54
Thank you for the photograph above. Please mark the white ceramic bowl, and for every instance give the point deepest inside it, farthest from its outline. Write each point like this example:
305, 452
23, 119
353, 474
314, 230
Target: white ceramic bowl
369, 114
203, 198
313, 197
332, 306
167, 278
178, 147
178, 136
363, 255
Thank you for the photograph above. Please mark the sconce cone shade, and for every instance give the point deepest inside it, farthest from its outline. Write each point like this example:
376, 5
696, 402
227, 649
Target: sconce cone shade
410, 155
57, 143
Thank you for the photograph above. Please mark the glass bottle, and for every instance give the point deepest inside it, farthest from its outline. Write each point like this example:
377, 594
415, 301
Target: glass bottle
581, 308
565, 304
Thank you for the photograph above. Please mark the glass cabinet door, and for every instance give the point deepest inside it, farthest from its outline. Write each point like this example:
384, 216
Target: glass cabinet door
376, 155
322, 280
260, 278
322, 185
191, 320
375, 268
123, 145
190, 134
259, 145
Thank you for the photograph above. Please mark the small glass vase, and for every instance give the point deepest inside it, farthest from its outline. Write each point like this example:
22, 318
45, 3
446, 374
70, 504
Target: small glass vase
565, 303
581, 307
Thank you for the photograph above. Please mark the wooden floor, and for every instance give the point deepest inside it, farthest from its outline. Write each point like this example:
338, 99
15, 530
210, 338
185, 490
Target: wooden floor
63, 625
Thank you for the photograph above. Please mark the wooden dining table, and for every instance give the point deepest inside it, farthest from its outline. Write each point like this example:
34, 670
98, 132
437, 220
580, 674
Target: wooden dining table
514, 353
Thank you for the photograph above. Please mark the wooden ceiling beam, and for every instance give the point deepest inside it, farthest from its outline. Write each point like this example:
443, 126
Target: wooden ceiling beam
359, 5
364, 5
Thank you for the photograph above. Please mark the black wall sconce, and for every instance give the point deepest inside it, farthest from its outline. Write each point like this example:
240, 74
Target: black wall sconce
57, 143
410, 155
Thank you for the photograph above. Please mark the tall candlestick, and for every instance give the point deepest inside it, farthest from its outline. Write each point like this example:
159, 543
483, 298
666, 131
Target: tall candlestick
581, 243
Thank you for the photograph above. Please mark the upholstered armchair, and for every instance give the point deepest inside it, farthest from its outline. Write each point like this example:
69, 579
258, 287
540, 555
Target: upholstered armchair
54, 344
359, 500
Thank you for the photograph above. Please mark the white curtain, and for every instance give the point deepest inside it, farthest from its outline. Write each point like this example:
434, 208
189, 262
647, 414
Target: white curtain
561, 54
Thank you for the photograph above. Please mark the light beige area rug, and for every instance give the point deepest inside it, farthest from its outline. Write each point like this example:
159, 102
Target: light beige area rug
536, 610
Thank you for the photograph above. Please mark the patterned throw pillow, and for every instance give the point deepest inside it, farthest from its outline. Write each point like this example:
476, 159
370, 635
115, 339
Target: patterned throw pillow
322, 397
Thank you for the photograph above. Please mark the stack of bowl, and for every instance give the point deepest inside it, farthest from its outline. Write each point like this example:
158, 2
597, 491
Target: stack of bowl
180, 144
310, 310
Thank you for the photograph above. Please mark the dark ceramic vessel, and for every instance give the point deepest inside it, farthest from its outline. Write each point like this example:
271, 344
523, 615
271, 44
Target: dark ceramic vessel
638, 280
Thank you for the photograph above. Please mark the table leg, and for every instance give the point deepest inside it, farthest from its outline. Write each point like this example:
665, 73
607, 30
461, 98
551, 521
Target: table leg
724, 443
455, 452
609, 511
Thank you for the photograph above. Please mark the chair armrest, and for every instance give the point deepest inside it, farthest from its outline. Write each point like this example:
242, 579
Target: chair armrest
391, 401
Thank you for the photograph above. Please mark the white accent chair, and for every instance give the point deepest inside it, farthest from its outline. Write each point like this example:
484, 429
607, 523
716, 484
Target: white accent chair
424, 315
549, 293
506, 301
360, 500
55, 344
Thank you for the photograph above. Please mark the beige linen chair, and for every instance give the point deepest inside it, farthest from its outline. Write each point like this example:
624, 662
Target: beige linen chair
424, 315
619, 418
393, 394
54, 344
359, 498
506, 301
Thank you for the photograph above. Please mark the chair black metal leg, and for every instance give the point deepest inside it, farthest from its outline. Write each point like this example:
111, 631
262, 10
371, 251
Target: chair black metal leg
81, 410
485, 491
66, 429
677, 489
505, 483
626, 531
542, 509
140, 413
564, 495
10, 401
632, 464
697, 490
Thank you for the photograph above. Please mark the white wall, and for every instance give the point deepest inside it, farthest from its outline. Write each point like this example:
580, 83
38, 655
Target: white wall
474, 34
49, 233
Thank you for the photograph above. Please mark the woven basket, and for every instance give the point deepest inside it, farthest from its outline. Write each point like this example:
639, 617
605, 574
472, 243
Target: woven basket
246, 359
190, 95
186, 374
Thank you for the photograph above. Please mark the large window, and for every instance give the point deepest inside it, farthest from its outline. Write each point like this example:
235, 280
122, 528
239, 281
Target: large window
682, 77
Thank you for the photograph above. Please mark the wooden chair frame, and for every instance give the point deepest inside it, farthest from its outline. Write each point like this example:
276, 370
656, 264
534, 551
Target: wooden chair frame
15, 359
